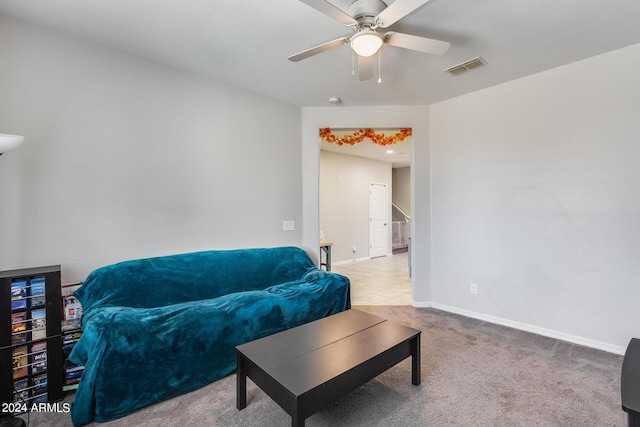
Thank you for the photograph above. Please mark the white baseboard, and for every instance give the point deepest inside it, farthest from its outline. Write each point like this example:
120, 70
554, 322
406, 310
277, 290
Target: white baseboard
574, 339
350, 261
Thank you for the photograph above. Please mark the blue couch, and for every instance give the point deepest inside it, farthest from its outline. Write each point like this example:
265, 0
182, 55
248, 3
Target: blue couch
159, 327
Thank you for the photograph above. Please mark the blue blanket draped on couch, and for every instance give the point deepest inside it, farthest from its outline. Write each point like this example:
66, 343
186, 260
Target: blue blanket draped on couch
159, 327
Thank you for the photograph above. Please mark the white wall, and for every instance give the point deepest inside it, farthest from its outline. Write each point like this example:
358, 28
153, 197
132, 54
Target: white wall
415, 117
344, 203
536, 198
402, 188
127, 158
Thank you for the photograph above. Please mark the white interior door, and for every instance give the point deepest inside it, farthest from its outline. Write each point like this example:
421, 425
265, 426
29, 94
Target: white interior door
378, 219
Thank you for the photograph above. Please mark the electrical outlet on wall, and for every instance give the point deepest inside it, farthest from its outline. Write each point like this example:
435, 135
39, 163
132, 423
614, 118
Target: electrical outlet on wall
474, 288
288, 225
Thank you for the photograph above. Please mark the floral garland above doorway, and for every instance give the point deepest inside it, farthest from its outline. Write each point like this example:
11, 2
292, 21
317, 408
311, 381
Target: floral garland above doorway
362, 134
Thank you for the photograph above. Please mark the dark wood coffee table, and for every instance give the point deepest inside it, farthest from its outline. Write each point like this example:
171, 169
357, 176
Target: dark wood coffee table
305, 368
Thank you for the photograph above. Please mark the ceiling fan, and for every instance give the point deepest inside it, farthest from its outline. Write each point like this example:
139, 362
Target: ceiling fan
364, 17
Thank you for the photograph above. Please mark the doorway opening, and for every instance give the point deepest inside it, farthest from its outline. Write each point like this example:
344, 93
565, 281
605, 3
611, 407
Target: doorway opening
360, 183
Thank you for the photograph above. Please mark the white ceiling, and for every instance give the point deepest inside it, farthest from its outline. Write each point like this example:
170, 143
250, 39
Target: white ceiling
246, 42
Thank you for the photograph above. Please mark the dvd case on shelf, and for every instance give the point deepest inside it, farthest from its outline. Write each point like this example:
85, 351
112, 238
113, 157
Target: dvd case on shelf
38, 357
19, 295
39, 384
38, 324
37, 291
71, 312
21, 390
20, 363
19, 328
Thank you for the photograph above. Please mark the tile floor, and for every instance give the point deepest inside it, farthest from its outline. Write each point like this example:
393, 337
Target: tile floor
378, 281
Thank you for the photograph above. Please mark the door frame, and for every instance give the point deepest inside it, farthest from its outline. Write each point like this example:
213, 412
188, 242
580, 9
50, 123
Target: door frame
414, 116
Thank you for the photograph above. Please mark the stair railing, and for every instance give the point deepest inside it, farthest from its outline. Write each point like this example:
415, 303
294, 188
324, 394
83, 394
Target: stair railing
406, 217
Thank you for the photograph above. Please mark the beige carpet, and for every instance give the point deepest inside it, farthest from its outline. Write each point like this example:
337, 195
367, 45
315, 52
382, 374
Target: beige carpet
473, 374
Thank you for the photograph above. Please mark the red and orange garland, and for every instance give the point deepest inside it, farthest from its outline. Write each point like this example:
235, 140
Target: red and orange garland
362, 134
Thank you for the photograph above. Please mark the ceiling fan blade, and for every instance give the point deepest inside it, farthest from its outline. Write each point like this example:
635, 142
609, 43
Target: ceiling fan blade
365, 67
318, 49
331, 11
421, 44
396, 11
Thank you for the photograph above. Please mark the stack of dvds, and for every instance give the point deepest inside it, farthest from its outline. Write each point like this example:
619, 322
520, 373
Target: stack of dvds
31, 348
72, 372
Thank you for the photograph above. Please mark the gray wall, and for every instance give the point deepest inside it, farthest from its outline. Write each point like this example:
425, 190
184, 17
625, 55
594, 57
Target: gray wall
402, 188
344, 204
402, 198
536, 198
127, 158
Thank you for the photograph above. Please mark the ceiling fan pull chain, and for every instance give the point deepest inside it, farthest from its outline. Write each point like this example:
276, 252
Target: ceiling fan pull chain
353, 63
380, 66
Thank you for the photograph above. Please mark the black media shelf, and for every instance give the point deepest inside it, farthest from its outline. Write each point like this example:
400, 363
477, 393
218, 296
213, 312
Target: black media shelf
30, 337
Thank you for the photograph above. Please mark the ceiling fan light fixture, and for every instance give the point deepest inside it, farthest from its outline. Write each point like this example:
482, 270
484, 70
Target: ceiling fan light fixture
366, 42
9, 142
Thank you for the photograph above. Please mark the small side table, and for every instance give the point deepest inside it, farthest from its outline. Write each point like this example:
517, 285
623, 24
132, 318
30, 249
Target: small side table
326, 248
630, 383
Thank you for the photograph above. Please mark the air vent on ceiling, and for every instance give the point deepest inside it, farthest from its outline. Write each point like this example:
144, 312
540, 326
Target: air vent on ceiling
465, 66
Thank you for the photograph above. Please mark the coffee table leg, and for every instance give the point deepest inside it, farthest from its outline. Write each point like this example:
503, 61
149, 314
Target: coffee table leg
241, 382
296, 422
415, 360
